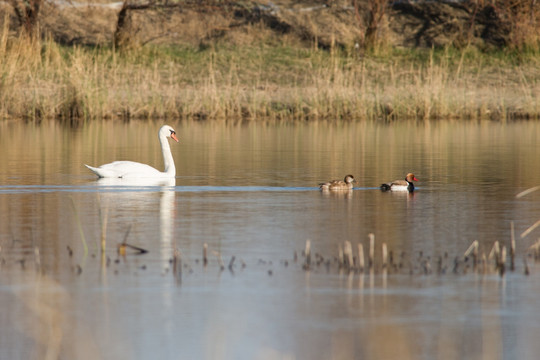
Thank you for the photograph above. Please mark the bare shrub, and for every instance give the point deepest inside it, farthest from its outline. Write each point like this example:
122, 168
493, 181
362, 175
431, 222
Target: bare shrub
522, 17
27, 13
370, 14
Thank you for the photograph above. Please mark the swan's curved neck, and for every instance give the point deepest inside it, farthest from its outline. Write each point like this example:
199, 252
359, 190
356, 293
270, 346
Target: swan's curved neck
168, 160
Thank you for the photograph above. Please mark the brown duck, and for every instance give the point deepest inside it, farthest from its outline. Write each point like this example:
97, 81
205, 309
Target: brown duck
345, 184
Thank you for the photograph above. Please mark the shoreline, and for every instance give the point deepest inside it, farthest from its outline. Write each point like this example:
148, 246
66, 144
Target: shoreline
44, 80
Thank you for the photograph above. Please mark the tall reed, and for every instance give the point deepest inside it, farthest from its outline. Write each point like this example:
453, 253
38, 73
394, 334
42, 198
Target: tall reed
43, 80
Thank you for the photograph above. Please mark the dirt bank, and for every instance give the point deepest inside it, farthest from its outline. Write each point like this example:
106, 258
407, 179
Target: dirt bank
325, 23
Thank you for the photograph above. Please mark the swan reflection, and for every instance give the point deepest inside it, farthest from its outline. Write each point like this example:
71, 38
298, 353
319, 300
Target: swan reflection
133, 200
142, 182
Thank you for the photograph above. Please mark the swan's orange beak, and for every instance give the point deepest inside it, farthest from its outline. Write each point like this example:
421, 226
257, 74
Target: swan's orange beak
173, 136
415, 179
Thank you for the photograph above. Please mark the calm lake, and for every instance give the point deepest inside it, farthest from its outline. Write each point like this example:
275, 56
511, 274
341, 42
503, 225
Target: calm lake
250, 193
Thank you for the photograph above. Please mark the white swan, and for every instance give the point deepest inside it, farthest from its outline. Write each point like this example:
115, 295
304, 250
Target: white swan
131, 169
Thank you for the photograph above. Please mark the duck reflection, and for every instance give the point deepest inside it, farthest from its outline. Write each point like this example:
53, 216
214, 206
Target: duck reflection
404, 194
344, 194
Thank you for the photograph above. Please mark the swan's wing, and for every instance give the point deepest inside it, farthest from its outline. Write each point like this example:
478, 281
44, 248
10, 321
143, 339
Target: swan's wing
102, 173
122, 169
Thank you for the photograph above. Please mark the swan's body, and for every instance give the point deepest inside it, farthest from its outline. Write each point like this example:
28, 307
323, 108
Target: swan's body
345, 184
131, 169
135, 181
400, 185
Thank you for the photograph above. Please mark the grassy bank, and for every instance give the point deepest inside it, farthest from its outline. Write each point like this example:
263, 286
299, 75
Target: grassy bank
43, 80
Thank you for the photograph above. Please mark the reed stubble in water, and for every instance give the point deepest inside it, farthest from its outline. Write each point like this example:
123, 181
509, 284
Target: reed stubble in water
497, 261
345, 262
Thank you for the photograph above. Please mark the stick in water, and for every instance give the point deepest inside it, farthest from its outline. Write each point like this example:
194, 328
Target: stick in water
512, 247
205, 254
307, 252
220, 260
341, 257
474, 250
528, 191
360, 257
530, 229
502, 260
384, 255
494, 253
231, 263
371, 249
348, 255
177, 265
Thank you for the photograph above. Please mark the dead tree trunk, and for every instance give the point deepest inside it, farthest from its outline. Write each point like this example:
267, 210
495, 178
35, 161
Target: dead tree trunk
370, 20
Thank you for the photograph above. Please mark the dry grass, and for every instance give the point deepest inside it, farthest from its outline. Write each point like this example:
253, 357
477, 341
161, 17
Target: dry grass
41, 80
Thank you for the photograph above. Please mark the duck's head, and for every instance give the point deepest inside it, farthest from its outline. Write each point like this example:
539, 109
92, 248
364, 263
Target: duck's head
410, 177
349, 179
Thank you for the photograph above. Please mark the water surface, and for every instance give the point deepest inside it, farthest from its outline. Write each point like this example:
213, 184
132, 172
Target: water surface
250, 192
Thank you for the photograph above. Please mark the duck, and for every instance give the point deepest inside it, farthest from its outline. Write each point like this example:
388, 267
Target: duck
400, 185
131, 169
345, 184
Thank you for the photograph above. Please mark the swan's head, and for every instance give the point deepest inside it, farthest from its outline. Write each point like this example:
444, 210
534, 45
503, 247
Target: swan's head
168, 131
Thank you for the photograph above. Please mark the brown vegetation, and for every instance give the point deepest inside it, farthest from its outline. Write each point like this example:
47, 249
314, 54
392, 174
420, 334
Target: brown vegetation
246, 60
